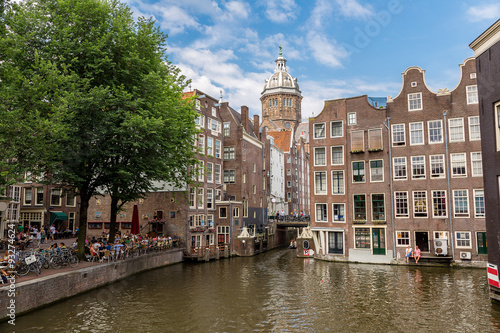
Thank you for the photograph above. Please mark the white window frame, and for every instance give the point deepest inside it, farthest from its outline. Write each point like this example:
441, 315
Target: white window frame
415, 98
430, 129
418, 177
217, 173
331, 155
441, 175
316, 212
416, 206
453, 164
416, 131
496, 111
394, 166
371, 174
341, 129
393, 132
316, 149
343, 183
399, 237
474, 128
458, 238
446, 204
316, 190
201, 143
399, 215
364, 172
476, 215
456, 123
200, 198
333, 213
476, 161
351, 118
472, 94
324, 131
465, 214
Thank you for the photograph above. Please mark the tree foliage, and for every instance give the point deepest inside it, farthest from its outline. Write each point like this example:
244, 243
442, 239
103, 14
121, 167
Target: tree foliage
90, 98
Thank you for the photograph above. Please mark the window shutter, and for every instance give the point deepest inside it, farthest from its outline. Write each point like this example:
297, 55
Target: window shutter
375, 139
357, 140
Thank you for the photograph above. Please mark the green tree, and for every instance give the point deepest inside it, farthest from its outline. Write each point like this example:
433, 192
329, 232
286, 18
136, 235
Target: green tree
87, 89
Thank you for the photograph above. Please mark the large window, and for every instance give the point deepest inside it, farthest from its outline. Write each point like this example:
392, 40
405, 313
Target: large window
227, 129
437, 166
319, 156
210, 198
463, 239
339, 212
362, 238
336, 129
398, 135
210, 146
376, 171
375, 139
359, 207
415, 102
320, 182
378, 207
192, 197
27, 196
418, 167
351, 118
201, 198
229, 176
479, 203
210, 170
435, 131
229, 153
338, 155
458, 165
358, 172
417, 133
201, 143
217, 148
472, 97
39, 196
439, 204
201, 171
477, 164
461, 203
456, 129
319, 131
401, 204
357, 141
399, 164
420, 204
403, 238
338, 182
474, 129
71, 199
217, 173
321, 212
336, 242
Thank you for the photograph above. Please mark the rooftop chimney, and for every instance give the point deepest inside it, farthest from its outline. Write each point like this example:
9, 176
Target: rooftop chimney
256, 125
244, 118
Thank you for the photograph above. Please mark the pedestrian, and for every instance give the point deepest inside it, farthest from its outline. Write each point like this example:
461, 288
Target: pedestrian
43, 235
408, 253
38, 237
417, 254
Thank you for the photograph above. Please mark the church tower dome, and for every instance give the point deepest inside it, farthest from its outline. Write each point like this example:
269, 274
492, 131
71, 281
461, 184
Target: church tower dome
281, 98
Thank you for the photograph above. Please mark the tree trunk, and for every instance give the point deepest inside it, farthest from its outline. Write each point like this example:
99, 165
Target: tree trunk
112, 220
82, 226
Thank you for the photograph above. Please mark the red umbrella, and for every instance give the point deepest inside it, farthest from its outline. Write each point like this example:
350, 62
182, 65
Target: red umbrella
135, 221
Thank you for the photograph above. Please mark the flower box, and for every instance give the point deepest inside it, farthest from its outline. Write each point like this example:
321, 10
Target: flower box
379, 222
374, 149
198, 229
358, 221
357, 151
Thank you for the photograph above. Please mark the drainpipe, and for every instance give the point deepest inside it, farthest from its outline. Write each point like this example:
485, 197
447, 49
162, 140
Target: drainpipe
188, 244
387, 125
449, 186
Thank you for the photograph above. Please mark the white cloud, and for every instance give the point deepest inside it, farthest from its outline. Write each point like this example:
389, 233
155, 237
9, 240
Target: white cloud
320, 15
352, 8
484, 12
325, 51
281, 11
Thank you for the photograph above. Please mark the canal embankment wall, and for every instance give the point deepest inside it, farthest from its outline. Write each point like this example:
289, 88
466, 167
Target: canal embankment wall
32, 294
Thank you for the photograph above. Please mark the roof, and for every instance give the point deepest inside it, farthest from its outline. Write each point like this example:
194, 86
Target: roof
281, 139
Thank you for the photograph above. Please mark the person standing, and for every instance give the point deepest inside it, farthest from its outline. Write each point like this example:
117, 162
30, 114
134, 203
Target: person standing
408, 253
417, 254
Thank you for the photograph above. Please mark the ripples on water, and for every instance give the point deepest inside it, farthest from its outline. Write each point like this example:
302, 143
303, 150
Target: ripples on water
277, 292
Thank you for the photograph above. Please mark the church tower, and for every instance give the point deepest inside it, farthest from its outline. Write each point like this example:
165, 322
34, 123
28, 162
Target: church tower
281, 99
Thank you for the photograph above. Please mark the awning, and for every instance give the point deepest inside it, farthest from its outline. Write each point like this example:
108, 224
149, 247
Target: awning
57, 216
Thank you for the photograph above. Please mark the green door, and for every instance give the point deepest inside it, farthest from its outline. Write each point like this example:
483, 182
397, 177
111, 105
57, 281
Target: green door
482, 246
378, 236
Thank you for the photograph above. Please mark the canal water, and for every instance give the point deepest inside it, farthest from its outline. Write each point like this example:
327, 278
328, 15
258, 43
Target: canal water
277, 292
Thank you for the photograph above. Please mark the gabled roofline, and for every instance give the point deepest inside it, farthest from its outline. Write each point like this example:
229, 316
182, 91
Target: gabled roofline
486, 40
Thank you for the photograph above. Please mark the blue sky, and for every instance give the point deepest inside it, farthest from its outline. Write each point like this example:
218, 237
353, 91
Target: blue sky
336, 48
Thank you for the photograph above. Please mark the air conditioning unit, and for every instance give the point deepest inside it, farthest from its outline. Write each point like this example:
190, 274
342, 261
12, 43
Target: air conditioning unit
441, 247
465, 255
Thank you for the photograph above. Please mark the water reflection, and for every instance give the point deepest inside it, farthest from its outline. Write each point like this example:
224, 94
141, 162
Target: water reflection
276, 292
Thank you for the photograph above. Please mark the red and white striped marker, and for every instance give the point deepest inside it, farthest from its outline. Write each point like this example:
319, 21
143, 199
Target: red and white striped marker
493, 275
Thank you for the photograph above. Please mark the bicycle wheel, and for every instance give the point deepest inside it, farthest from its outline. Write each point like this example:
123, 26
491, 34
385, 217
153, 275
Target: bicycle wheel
56, 262
45, 263
34, 268
22, 269
73, 261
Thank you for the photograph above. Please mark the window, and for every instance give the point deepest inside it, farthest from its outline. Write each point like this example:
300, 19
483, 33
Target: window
197, 104
359, 207
416, 133
71, 199
319, 131
321, 212
461, 203
335, 242
217, 148
472, 95
403, 238
217, 173
463, 239
358, 172
477, 164
39, 196
376, 171
399, 168
55, 197
435, 131
338, 155
223, 212
254, 189
201, 198
229, 176
415, 102
439, 204
456, 130
210, 170
200, 121
401, 203
244, 177
201, 171
192, 197
210, 146
214, 125
474, 129
479, 203
357, 141
229, 153
339, 212
336, 129
222, 235
338, 182
398, 135
227, 129
214, 111
482, 246
201, 143
497, 125
27, 196
362, 238
375, 139
319, 156
437, 166
420, 204
378, 207
320, 182
351, 118
458, 165
288, 184
418, 167
236, 211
